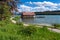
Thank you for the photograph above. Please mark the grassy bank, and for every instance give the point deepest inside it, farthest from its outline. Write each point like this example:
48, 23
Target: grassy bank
10, 31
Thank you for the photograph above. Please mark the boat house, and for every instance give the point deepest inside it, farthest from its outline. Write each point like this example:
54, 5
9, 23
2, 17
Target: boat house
28, 15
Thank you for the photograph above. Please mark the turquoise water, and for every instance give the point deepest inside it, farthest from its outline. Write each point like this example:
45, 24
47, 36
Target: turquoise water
48, 19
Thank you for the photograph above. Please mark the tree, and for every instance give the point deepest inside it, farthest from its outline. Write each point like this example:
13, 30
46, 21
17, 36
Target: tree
1, 11
5, 9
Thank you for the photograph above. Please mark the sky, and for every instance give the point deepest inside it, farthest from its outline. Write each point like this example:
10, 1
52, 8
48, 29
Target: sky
38, 5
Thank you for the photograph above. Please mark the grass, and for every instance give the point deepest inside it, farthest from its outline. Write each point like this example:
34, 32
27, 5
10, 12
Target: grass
10, 31
16, 18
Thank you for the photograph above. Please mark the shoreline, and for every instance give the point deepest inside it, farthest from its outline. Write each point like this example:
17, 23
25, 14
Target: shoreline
26, 24
38, 25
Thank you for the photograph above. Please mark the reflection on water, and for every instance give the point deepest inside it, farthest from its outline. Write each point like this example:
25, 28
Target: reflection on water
29, 20
48, 19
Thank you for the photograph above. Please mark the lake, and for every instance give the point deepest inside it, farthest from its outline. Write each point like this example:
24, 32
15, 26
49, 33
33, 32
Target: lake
46, 19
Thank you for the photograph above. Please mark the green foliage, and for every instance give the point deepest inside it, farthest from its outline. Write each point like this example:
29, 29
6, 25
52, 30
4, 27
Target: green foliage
16, 18
4, 11
56, 26
19, 23
29, 30
10, 31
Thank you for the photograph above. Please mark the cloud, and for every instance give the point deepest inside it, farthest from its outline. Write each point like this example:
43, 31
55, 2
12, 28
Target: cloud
45, 3
24, 8
40, 6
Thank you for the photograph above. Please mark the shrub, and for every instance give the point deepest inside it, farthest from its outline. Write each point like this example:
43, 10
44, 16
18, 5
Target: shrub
19, 23
16, 18
56, 25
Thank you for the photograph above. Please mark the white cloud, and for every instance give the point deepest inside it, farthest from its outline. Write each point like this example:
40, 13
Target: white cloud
45, 3
40, 6
24, 8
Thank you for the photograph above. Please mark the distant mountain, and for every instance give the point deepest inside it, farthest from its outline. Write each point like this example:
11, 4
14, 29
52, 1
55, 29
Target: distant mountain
48, 13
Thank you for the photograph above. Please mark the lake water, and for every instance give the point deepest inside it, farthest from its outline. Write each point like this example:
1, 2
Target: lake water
48, 19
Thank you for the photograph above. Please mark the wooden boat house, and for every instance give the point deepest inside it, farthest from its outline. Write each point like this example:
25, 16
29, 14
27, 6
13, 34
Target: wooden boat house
28, 15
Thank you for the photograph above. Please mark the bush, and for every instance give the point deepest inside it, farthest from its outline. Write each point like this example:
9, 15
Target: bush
19, 23
56, 25
16, 18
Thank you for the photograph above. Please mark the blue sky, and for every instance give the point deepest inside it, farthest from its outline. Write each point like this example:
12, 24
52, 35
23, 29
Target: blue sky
39, 5
55, 1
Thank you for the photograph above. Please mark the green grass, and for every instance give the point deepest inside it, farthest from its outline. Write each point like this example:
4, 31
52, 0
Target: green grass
10, 31
16, 18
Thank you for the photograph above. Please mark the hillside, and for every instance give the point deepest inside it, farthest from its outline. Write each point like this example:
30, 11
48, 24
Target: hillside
48, 13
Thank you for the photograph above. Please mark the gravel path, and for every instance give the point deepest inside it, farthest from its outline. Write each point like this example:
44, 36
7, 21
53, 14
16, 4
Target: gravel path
13, 21
55, 30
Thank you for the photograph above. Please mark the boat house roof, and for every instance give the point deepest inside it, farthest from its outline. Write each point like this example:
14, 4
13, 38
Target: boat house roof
28, 13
